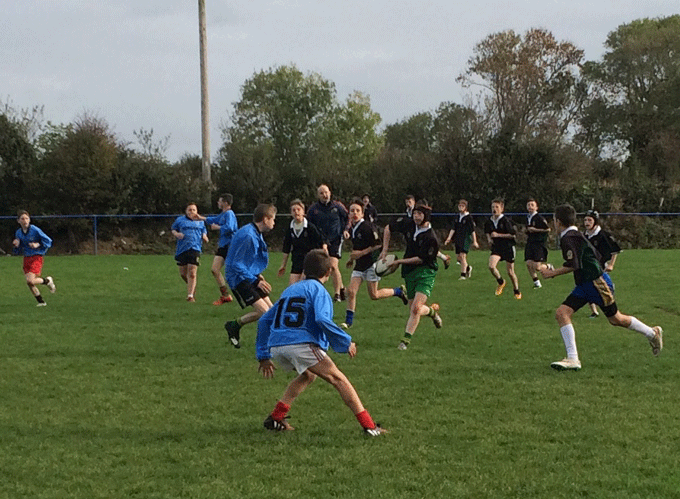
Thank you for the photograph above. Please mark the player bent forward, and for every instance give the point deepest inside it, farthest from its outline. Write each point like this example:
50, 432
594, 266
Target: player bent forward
592, 286
296, 332
33, 243
418, 267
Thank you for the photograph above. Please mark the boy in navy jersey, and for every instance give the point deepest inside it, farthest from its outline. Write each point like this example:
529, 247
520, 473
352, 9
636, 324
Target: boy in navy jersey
418, 266
296, 332
592, 286
536, 250
604, 243
301, 238
501, 236
33, 243
365, 245
190, 233
463, 235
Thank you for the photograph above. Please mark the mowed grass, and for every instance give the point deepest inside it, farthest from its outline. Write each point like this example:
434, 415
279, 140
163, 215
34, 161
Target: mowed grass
120, 388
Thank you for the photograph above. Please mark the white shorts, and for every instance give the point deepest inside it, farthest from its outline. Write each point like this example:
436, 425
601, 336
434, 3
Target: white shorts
298, 357
367, 275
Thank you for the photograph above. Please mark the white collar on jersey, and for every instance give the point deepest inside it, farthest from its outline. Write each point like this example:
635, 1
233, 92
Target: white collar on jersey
594, 232
356, 226
571, 227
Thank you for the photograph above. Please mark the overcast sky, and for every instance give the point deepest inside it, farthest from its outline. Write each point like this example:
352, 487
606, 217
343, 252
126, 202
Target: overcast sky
135, 63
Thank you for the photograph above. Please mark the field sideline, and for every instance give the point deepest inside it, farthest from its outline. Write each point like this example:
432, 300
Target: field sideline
120, 388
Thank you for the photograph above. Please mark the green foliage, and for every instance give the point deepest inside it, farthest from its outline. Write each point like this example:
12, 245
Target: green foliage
119, 388
17, 159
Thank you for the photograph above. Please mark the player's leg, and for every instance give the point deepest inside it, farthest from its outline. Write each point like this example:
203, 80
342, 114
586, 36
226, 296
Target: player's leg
336, 277
653, 334
191, 273
510, 267
183, 273
563, 317
493, 268
216, 270
464, 269
329, 372
32, 281
352, 290
259, 308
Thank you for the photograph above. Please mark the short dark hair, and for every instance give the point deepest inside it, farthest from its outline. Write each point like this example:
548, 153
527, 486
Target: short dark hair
532, 200
498, 201
409, 196
263, 210
228, 198
316, 265
357, 201
566, 214
463, 201
22, 212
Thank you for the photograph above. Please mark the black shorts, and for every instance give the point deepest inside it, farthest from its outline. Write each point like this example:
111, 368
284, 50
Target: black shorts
297, 264
576, 302
189, 257
507, 253
335, 248
247, 293
222, 251
536, 252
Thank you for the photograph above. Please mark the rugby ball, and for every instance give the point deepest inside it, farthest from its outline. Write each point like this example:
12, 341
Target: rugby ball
383, 268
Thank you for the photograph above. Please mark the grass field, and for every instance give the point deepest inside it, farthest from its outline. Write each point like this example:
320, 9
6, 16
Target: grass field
120, 388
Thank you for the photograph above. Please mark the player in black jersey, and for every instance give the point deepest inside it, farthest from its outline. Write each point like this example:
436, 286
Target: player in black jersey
463, 235
604, 243
302, 237
366, 246
592, 286
536, 249
501, 236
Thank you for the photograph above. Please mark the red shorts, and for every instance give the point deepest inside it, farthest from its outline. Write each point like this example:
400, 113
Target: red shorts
33, 264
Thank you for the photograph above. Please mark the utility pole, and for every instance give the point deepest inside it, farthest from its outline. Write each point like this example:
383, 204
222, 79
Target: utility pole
205, 113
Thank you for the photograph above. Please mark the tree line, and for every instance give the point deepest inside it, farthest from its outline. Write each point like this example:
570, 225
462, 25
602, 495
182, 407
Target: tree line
538, 121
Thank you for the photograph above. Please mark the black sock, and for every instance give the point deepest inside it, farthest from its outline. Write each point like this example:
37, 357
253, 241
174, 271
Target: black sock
500, 281
40, 299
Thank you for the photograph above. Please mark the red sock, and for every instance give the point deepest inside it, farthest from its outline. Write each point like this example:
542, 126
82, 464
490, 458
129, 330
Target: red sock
365, 420
280, 411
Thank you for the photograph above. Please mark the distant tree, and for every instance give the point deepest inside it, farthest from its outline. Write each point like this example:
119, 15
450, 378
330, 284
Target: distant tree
633, 115
530, 84
17, 159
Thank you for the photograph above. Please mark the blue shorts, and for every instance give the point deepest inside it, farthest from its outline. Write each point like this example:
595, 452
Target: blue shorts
600, 292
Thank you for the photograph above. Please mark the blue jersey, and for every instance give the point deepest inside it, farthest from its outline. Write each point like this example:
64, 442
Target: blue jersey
228, 225
330, 219
247, 257
32, 235
193, 231
303, 314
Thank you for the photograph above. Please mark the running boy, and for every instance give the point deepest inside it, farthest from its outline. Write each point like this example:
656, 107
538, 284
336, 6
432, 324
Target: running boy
463, 234
246, 260
592, 286
296, 332
190, 233
501, 236
418, 266
365, 244
33, 243
226, 223
301, 238
604, 243
536, 249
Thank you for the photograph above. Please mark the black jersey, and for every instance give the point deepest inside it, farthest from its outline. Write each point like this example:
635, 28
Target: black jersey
421, 243
365, 235
302, 243
580, 255
502, 225
604, 243
537, 222
463, 227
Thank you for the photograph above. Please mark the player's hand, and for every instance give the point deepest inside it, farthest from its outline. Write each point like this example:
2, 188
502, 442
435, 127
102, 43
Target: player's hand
180, 236
264, 286
215, 227
34, 245
476, 245
345, 235
608, 268
547, 270
16, 243
267, 368
446, 243
281, 271
349, 264
352, 351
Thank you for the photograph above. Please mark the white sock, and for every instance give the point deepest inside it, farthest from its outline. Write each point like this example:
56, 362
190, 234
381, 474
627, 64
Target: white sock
442, 256
641, 327
569, 338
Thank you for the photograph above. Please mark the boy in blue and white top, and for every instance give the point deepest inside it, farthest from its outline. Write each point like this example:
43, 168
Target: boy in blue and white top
33, 243
246, 260
190, 233
226, 223
296, 332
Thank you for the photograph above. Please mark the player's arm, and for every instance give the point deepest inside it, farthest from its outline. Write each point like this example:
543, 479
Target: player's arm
449, 237
45, 240
548, 271
284, 262
387, 235
609, 266
339, 340
264, 325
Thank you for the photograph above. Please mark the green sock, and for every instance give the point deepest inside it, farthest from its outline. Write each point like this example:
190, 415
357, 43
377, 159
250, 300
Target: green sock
407, 338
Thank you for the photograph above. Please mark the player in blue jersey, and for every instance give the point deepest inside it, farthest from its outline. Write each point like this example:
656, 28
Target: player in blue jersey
190, 233
33, 243
592, 286
246, 260
296, 332
226, 223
